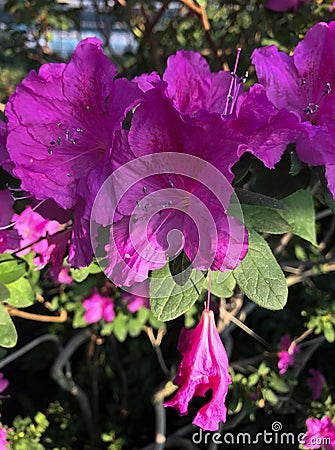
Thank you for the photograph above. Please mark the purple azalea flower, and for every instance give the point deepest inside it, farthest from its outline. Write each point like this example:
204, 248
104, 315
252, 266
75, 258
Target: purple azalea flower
251, 123
5, 162
157, 128
4, 444
98, 307
9, 239
42, 236
204, 366
320, 433
162, 213
64, 276
287, 354
284, 5
302, 84
135, 302
61, 124
3, 382
315, 382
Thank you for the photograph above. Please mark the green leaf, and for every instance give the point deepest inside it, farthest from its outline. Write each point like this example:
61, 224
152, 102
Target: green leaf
11, 269
302, 214
222, 285
21, 293
121, 327
168, 299
255, 199
78, 318
180, 268
270, 396
4, 293
80, 275
202, 2
8, 334
135, 327
278, 384
260, 276
265, 220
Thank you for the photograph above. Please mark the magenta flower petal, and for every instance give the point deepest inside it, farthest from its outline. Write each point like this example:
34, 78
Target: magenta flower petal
287, 354
284, 5
98, 307
204, 366
264, 131
4, 444
9, 239
3, 382
320, 431
191, 85
315, 382
303, 83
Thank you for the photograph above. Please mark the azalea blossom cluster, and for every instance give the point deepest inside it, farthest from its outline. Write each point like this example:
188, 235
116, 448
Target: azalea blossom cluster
76, 133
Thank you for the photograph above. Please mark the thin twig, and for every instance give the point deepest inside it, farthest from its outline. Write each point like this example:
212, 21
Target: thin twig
31, 345
37, 317
224, 313
66, 381
156, 342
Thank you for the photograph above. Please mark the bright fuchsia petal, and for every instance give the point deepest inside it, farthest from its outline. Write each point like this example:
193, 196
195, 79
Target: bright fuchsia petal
61, 123
262, 129
80, 247
147, 81
277, 72
59, 242
108, 310
3, 382
5, 162
128, 264
283, 5
318, 430
32, 226
204, 366
94, 308
9, 239
4, 444
191, 85
188, 78
314, 58
315, 382
157, 127
6, 210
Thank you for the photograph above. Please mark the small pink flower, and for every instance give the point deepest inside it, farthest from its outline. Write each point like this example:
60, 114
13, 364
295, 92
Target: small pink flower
98, 307
204, 366
135, 302
315, 382
31, 226
3, 382
64, 277
320, 433
3, 439
287, 354
284, 5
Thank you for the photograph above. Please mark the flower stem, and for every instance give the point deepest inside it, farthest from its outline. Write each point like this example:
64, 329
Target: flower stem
209, 290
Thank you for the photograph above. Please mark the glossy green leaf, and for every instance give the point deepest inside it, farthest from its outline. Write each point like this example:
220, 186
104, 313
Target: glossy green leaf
4, 293
8, 334
301, 216
169, 299
260, 276
222, 284
21, 293
11, 269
